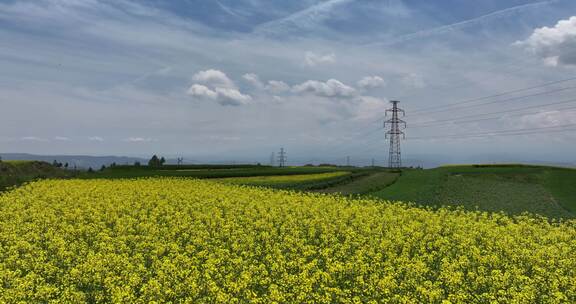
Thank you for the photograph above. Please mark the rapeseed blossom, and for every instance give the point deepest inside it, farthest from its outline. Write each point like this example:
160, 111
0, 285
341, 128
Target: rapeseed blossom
189, 241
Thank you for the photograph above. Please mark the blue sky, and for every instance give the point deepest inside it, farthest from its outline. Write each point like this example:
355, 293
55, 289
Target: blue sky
238, 79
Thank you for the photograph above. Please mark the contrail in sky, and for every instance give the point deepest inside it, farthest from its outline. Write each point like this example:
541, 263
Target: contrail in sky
228, 10
307, 18
462, 24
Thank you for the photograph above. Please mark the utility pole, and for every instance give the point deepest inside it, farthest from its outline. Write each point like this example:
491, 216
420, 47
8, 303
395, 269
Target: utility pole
396, 127
282, 158
373, 163
347, 161
272, 159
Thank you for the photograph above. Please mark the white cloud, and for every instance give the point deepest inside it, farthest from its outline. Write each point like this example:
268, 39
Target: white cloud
370, 108
330, 88
312, 59
276, 86
202, 91
214, 78
33, 138
370, 82
224, 96
96, 138
218, 87
555, 45
254, 80
548, 119
61, 138
414, 80
273, 86
232, 97
139, 139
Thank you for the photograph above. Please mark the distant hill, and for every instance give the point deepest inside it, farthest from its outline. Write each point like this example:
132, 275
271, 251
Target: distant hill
80, 161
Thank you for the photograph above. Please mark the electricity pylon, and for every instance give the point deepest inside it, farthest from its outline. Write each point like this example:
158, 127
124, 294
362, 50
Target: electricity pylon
396, 127
282, 158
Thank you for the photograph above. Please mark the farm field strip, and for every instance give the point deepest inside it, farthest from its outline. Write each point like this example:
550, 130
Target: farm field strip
371, 182
514, 189
218, 172
185, 240
282, 179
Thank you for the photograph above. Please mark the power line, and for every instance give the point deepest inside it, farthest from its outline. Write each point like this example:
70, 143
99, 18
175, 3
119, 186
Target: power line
499, 133
459, 119
507, 134
569, 109
496, 95
422, 111
500, 101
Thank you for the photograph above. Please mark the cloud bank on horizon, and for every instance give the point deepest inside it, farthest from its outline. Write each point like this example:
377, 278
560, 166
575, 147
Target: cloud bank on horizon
141, 76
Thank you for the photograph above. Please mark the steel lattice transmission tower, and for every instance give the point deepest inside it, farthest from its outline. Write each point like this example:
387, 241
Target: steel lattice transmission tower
396, 126
282, 158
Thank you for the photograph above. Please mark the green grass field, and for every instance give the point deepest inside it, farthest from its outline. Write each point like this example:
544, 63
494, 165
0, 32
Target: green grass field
18, 162
513, 189
364, 184
16, 172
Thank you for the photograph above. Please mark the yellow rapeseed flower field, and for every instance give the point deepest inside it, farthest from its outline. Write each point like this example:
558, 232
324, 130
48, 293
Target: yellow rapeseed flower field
188, 241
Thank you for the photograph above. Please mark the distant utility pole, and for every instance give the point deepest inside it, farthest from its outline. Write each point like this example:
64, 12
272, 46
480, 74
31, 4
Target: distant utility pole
282, 158
396, 126
347, 161
180, 160
373, 163
272, 159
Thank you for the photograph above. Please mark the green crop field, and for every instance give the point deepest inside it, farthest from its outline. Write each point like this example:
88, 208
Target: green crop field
18, 162
178, 240
287, 181
205, 171
513, 189
364, 184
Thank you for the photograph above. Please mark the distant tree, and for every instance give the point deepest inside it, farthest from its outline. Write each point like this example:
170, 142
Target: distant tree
0, 159
136, 164
154, 162
162, 161
102, 168
90, 170
66, 165
55, 163
113, 165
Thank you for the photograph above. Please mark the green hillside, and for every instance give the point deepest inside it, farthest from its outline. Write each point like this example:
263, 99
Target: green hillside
514, 189
17, 172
